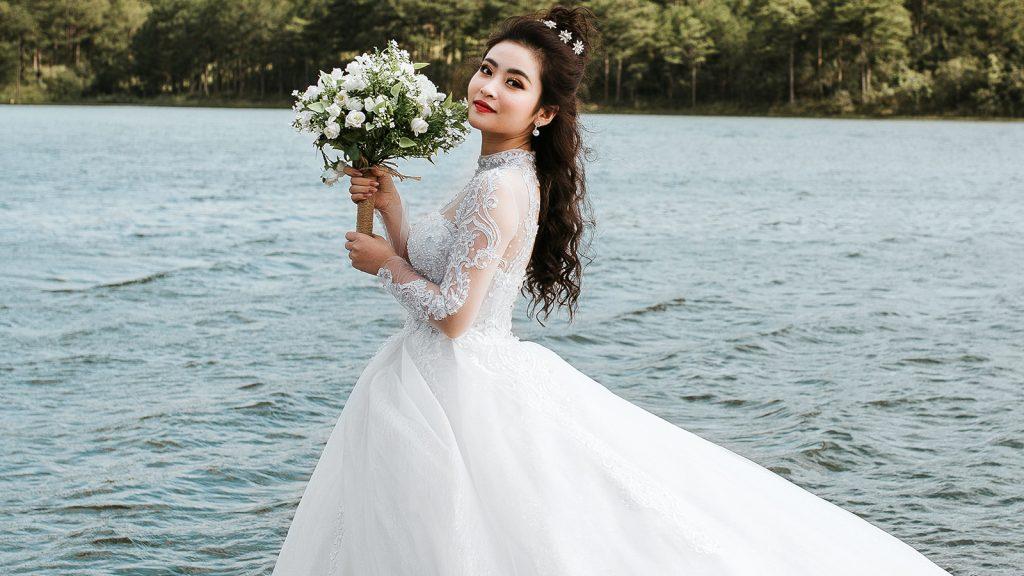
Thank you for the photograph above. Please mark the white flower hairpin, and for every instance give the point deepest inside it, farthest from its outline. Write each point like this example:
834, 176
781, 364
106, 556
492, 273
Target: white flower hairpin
565, 36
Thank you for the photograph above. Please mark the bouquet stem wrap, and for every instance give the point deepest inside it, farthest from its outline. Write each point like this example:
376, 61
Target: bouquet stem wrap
364, 208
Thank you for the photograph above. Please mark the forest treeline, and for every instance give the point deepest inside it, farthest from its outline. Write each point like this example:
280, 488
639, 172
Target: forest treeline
945, 57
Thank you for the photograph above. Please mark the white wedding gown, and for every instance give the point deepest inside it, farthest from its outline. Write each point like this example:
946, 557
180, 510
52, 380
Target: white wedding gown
485, 454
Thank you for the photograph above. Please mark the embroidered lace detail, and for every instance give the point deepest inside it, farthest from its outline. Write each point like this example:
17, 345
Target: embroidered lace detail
510, 157
339, 524
435, 282
473, 217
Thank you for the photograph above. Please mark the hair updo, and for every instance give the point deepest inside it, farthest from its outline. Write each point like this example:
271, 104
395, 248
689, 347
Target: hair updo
554, 273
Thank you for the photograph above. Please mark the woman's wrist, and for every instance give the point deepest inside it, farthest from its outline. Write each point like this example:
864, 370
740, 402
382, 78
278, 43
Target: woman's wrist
393, 208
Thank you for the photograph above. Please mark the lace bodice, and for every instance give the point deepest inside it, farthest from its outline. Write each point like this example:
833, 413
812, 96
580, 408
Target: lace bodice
467, 259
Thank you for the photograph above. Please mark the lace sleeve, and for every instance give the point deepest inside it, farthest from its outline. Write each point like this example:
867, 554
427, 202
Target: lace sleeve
396, 229
486, 220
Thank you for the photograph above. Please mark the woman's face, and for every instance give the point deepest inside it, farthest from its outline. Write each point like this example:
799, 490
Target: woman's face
508, 81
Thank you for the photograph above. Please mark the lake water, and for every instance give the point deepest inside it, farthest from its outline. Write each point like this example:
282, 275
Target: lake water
841, 301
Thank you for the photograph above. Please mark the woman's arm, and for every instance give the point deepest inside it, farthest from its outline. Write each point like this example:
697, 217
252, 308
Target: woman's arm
396, 226
487, 220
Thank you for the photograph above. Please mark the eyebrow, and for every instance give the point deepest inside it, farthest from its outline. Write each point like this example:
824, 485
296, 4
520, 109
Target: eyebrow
512, 70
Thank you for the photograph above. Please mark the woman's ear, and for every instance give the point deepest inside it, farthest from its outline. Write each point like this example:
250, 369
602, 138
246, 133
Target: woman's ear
548, 114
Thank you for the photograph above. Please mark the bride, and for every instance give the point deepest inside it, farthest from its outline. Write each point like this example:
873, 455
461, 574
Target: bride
463, 450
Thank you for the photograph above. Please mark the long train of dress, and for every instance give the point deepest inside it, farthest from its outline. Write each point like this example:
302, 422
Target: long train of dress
496, 456
486, 454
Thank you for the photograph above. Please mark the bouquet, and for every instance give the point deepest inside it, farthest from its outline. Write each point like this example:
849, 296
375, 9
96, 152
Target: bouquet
378, 109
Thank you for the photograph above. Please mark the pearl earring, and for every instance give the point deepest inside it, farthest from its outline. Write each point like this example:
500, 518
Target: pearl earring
536, 132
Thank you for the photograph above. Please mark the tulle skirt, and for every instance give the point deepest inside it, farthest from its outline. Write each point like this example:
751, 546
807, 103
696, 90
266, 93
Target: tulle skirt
491, 455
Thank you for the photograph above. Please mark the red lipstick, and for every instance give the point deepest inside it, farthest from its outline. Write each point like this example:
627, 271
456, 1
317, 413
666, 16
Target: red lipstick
482, 106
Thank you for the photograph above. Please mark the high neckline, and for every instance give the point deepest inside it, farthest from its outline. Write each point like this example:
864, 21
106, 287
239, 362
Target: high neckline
505, 158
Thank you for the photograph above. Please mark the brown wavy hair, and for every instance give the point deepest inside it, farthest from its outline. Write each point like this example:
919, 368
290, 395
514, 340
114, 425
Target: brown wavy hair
554, 274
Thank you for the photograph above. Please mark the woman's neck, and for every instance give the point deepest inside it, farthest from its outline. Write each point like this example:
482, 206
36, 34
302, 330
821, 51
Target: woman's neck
495, 146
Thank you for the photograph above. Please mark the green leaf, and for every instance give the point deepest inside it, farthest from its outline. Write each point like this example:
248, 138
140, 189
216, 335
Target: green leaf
396, 89
316, 106
419, 65
352, 152
405, 142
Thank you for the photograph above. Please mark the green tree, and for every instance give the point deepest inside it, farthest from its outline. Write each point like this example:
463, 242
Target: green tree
18, 27
879, 29
685, 39
783, 23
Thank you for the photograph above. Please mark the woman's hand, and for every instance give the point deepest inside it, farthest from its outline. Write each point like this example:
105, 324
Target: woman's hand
377, 184
367, 253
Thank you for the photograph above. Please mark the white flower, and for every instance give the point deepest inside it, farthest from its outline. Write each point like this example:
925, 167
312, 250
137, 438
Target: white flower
374, 104
418, 125
337, 73
549, 23
332, 130
355, 67
330, 176
355, 119
334, 111
426, 87
311, 93
565, 36
353, 103
426, 112
577, 47
353, 82
304, 117
295, 92
407, 67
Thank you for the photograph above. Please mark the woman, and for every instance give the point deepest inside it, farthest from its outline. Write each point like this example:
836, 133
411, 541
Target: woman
463, 450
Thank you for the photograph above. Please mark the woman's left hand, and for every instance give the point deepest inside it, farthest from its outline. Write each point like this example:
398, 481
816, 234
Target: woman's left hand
367, 253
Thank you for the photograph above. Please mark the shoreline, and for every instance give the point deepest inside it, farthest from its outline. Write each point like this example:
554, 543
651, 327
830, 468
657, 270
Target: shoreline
716, 110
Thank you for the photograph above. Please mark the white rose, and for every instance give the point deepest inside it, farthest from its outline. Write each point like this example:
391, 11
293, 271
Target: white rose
353, 82
353, 103
334, 111
311, 93
426, 87
332, 130
355, 119
418, 125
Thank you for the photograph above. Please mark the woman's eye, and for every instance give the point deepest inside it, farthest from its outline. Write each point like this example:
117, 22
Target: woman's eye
517, 84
